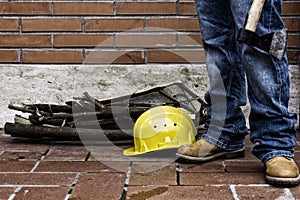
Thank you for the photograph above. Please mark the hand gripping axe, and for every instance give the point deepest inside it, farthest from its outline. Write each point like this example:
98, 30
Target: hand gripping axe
273, 43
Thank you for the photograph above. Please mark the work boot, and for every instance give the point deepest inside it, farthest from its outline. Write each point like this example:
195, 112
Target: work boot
203, 151
283, 171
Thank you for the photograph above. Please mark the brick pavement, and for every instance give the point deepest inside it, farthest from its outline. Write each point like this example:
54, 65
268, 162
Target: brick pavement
47, 169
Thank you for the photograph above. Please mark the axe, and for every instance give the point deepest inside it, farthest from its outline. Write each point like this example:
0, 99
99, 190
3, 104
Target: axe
273, 43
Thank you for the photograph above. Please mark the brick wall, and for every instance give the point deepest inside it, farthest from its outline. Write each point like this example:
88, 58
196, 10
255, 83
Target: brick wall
75, 32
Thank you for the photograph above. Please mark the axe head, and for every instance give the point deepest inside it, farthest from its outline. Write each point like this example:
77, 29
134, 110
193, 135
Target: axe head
273, 43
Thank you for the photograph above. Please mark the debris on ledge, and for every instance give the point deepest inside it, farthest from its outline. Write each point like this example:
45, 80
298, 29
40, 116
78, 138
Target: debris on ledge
111, 118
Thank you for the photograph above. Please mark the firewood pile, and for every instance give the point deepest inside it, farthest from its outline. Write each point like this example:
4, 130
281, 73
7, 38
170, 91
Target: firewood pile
92, 118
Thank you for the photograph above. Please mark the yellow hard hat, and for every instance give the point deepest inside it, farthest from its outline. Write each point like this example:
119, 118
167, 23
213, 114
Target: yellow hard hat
161, 127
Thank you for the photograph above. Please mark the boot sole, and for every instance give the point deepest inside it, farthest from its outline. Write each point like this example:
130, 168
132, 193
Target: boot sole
225, 155
283, 181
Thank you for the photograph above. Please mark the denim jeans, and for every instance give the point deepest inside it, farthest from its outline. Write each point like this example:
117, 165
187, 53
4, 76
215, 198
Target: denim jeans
229, 65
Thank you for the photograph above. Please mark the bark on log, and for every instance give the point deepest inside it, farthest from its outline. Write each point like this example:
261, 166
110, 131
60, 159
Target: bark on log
50, 108
28, 131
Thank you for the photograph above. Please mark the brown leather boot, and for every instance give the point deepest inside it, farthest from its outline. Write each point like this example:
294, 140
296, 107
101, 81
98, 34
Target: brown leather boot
203, 151
282, 170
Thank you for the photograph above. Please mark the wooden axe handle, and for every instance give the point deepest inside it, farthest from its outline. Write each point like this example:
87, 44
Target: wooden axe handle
254, 14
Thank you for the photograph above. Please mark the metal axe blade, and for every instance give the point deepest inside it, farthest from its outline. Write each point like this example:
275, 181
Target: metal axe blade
273, 43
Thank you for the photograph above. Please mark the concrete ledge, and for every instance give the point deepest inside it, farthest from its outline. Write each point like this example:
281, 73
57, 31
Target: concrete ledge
59, 83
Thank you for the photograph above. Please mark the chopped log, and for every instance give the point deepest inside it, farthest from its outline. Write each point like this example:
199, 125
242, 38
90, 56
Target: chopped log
28, 131
21, 120
107, 112
50, 108
37, 120
22, 108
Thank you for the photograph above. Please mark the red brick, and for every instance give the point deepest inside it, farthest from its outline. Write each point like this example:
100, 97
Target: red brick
79, 166
297, 156
67, 153
244, 166
214, 166
172, 24
190, 40
296, 192
51, 24
25, 8
10, 144
9, 24
99, 186
37, 179
83, 40
114, 56
245, 192
6, 192
114, 24
146, 8
291, 8
187, 8
9, 56
146, 40
52, 56
37, 193
83, 8
20, 40
294, 40
179, 192
16, 166
221, 178
176, 56
164, 175
292, 24
293, 56
21, 155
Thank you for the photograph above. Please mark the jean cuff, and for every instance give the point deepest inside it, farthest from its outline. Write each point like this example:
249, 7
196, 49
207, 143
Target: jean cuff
223, 145
273, 154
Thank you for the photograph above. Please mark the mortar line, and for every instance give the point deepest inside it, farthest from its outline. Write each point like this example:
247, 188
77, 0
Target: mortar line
287, 194
145, 25
89, 152
114, 41
145, 56
83, 25
176, 40
31, 186
177, 7
178, 170
72, 186
21, 56
12, 196
83, 61
20, 25
115, 7
52, 7
224, 166
126, 183
39, 161
233, 191
52, 40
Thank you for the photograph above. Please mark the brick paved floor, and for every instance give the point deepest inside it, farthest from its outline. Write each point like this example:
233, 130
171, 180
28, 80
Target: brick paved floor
46, 169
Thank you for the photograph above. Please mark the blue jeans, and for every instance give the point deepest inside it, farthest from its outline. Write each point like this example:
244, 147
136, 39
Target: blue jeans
229, 65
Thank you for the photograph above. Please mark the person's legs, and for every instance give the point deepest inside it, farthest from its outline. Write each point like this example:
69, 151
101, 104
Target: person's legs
226, 126
271, 124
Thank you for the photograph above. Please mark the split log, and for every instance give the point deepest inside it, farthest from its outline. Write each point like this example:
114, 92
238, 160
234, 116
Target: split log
28, 131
